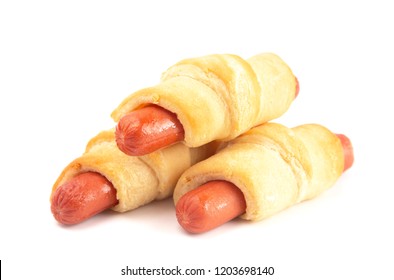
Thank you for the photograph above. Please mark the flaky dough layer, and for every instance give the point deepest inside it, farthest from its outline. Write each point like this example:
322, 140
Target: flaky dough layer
137, 180
274, 166
218, 97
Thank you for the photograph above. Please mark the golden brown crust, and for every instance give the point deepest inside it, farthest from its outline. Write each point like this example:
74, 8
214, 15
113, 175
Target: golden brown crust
137, 180
218, 97
274, 166
326, 157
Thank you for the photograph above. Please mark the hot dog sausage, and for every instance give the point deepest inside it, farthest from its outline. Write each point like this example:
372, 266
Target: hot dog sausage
82, 197
217, 202
347, 151
148, 129
210, 206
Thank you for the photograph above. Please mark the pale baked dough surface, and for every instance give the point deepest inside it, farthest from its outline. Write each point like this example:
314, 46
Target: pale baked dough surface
137, 180
218, 97
274, 166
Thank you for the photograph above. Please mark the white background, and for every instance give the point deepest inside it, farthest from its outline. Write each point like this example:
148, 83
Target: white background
65, 65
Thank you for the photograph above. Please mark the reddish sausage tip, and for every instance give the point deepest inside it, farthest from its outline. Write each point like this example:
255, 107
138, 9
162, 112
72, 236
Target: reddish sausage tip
210, 206
148, 129
297, 88
82, 197
347, 151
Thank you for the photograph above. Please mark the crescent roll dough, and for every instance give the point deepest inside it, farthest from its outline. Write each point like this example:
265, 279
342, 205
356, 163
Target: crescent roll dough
218, 97
137, 180
274, 166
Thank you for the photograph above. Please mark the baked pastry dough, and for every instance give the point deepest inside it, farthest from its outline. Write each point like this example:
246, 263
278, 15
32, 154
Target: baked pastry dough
137, 180
274, 166
218, 97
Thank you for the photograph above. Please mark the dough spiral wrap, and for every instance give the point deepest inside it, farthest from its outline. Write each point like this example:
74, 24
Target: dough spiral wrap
137, 180
218, 97
274, 166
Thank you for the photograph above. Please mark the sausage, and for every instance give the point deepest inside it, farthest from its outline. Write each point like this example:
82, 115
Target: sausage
216, 202
297, 88
84, 196
148, 129
210, 206
347, 151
